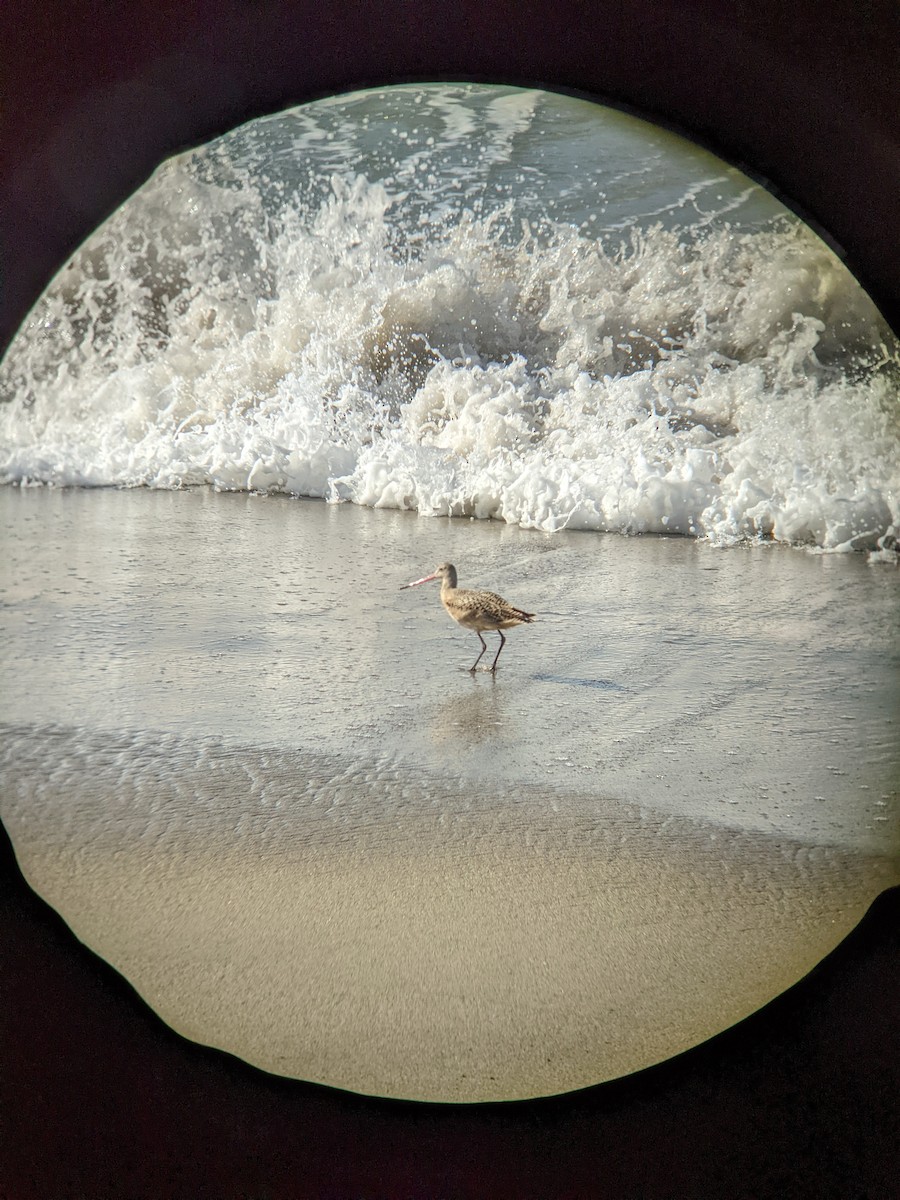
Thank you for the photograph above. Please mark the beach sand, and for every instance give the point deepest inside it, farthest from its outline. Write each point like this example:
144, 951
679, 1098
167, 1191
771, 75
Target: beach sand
258, 780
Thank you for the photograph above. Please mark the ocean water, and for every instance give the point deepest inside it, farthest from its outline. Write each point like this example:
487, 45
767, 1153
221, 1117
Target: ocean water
468, 301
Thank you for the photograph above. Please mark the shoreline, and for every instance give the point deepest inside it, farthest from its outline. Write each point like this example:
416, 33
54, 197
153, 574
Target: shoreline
306, 836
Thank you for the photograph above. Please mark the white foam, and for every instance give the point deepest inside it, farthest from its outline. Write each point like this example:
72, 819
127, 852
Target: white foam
714, 382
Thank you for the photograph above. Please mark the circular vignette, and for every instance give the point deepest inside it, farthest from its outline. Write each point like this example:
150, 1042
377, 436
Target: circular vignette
188, 74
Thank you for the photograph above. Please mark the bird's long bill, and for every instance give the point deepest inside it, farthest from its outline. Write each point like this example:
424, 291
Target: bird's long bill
416, 582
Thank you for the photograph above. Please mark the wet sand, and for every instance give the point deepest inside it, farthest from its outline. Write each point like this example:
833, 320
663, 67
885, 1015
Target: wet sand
254, 777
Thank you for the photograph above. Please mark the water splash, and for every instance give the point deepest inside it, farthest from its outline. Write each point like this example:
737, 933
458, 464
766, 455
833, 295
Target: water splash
396, 340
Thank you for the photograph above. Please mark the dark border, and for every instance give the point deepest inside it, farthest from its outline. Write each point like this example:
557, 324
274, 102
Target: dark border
99, 1098
802, 94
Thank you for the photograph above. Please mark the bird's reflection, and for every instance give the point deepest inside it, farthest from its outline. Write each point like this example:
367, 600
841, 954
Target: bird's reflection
474, 716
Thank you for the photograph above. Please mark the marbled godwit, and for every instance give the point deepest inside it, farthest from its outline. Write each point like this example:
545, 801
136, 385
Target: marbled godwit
475, 610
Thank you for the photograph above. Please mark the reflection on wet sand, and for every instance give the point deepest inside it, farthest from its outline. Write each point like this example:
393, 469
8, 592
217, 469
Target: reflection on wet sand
314, 841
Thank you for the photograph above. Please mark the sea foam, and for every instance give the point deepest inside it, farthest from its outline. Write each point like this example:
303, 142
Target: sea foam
351, 344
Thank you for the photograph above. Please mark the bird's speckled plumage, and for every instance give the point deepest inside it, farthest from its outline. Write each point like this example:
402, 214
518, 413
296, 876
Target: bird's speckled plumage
476, 609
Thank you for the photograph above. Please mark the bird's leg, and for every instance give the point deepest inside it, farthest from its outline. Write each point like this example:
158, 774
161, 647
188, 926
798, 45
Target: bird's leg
497, 655
478, 659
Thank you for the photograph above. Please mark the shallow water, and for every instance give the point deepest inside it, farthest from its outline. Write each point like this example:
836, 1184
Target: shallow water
268, 621
259, 780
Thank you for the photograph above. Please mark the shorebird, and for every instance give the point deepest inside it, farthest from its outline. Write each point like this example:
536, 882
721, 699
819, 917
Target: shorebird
476, 610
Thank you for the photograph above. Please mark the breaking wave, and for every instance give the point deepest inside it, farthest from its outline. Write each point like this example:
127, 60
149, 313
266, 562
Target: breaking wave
353, 343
